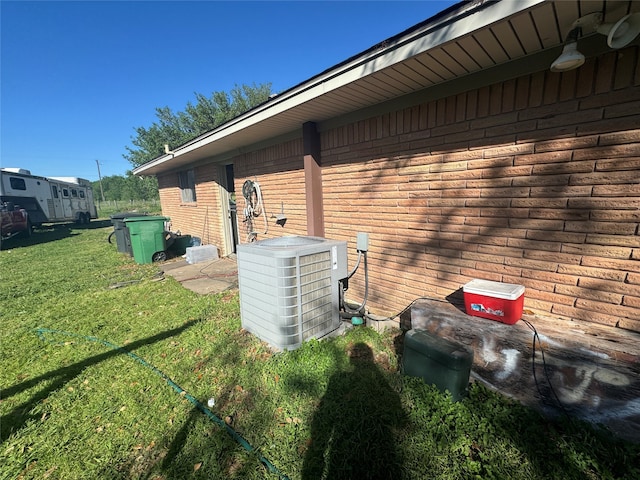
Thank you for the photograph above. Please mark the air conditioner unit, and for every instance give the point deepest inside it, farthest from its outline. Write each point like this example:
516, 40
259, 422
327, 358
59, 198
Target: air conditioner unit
289, 288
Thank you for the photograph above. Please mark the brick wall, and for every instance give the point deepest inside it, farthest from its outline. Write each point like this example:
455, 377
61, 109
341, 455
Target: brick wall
534, 181
202, 218
279, 171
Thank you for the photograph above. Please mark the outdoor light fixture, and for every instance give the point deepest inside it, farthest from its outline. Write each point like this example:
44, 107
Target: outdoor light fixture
619, 34
570, 57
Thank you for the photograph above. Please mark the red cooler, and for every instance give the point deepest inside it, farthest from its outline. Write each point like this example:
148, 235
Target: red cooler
494, 300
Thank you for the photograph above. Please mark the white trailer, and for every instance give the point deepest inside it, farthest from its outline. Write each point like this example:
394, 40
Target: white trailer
48, 200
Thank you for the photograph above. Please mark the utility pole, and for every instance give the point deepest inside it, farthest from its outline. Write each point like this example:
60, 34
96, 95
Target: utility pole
100, 178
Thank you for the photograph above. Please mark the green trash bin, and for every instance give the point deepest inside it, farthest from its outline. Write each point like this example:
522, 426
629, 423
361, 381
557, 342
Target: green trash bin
148, 238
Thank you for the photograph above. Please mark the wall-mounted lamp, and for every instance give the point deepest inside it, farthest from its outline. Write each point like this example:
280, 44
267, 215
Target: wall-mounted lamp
281, 218
570, 57
619, 35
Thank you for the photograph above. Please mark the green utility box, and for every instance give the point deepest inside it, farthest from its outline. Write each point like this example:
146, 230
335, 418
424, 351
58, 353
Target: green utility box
148, 238
440, 362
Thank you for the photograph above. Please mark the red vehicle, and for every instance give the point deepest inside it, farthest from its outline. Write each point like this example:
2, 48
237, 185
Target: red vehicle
14, 221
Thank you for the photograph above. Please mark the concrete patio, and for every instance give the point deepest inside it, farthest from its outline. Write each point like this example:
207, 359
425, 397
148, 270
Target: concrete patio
211, 276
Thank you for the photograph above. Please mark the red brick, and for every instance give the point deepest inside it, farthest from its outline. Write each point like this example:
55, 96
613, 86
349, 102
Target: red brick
558, 237
631, 301
537, 180
629, 324
610, 286
564, 214
616, 138
568, 85
601, 227
632, 190
598, 250
505, 192
618, 240
537, 159
496, 162
472, 183
550, 204
509, 150
562, 258
623, 110
486, 239
505, 212
597, 273
601, 178
571, 118
569, 192
586, 293
609, 309
614, 264
605, 126
621, 164
586, 75
564, 167
604, 203
604, 73
574, 143
531, 264
550, 277
533, 245
585, 315
633, 278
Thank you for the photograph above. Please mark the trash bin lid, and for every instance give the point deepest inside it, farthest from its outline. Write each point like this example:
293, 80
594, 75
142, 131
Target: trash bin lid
146, 218
123, 215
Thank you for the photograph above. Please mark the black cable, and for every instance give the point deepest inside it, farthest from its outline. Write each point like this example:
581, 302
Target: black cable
544, 367
359, 311
401, 312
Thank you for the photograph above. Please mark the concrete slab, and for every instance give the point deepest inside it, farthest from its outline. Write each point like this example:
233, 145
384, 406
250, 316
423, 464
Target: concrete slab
205, 277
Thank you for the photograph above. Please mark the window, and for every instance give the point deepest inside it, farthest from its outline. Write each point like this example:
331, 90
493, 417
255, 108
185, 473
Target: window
187, 181
65, 192
81, 192
17, 183
54, 189
74, 193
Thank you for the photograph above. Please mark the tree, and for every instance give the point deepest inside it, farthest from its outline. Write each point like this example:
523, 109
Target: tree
129, 187
205, 114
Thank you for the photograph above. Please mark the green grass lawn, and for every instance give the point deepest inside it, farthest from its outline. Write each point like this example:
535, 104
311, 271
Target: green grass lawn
92, 399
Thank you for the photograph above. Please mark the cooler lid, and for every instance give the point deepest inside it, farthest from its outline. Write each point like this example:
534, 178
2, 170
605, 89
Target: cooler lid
506, 291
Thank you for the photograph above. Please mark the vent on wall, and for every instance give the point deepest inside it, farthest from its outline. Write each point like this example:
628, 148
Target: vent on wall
289, 288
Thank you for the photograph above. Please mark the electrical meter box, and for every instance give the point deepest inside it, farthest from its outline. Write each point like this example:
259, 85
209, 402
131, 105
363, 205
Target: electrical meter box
438, 361
498, 301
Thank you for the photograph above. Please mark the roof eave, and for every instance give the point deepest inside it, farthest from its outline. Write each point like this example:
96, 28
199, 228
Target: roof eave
440, 29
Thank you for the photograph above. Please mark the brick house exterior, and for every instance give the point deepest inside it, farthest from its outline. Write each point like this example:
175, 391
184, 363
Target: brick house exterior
530, 178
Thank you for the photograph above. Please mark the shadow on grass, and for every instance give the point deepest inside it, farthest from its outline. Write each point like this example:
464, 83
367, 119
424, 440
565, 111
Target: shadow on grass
45, 234
17, 418
352, 430
51, 233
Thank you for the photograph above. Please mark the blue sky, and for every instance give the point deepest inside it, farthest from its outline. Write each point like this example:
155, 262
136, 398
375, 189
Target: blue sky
78, 77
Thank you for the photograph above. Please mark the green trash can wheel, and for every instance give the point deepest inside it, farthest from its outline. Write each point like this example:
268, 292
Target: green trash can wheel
159, 257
